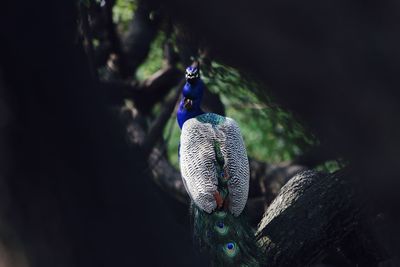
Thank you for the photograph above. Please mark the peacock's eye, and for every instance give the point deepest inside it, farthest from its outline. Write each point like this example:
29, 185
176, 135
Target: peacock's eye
231, 249
220, 214
221, 228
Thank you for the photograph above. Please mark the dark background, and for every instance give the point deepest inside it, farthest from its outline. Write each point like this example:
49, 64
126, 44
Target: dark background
72, 194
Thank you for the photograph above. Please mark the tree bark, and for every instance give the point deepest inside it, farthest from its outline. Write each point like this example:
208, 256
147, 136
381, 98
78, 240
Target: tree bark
312, 213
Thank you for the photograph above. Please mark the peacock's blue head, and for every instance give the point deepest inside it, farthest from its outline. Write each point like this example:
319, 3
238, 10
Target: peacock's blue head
193, 89
192, 93
192, 74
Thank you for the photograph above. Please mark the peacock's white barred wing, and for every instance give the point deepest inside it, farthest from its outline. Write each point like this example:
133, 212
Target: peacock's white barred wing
236, 165
199, 165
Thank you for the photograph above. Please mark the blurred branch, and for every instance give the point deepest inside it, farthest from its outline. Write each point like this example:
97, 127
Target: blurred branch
141, 32
124, 54
113, 38
167, 177
157, 86
155, 132
145, 94
164, 174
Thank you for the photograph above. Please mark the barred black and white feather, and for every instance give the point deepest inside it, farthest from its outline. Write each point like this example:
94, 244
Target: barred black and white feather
198, 161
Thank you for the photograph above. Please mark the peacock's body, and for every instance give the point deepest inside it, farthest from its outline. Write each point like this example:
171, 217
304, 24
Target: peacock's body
215, 172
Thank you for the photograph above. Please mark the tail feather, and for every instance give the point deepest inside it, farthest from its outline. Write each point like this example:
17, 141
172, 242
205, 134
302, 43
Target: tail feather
228, 239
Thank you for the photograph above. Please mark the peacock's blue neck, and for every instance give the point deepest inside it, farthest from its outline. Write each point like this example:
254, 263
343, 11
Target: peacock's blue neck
184, 114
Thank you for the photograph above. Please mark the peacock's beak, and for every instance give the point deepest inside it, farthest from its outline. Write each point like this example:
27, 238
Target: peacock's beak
187, 104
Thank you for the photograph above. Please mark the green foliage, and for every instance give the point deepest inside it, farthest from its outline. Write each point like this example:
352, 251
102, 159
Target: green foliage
330, 166
154, 59
123, 12
270, 133
172, 135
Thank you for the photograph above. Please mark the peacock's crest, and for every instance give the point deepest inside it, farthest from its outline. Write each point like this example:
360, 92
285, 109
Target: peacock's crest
192, 72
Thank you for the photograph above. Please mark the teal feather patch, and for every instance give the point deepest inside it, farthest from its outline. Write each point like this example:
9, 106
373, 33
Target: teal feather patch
212, 118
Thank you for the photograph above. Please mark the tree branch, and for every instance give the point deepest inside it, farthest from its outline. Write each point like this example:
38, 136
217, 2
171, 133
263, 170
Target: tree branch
146, 94
156, 129
114, 39
141, 32
312, 213
167, 177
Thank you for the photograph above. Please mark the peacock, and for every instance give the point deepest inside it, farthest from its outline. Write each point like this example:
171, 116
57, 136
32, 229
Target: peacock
215, 172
